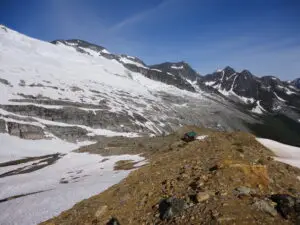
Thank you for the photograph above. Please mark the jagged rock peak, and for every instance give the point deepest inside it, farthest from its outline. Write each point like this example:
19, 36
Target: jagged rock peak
229, 70
246, 72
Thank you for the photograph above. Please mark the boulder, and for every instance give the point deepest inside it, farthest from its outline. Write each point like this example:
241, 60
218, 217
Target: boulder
265, 206
285, 204
171, 207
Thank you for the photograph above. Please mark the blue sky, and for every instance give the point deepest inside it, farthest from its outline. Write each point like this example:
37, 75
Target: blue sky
260, 35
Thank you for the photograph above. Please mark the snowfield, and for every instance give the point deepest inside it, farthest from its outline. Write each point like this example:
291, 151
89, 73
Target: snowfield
285, 153
14, 148
52, 189
74, 177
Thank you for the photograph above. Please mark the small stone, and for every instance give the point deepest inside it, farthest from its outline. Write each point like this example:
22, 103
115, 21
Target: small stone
265, 207
214, 168
202, 196
204, 178
100, 211
200, 184
243, 191
184, 175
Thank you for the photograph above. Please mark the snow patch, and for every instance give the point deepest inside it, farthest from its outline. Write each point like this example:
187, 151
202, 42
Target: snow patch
177, 67
289, 92
280, 99
156, 70
128, 61
209, 83
258, 109
285, 153
74, 177
232, 93
105, 51
13, 148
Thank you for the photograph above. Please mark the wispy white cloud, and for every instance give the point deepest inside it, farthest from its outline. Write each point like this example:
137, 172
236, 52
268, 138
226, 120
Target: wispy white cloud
138, 17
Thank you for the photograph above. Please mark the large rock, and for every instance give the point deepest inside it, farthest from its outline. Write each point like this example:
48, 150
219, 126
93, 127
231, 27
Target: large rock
25, 131
285, 204
171, 207
70, 133
266, 207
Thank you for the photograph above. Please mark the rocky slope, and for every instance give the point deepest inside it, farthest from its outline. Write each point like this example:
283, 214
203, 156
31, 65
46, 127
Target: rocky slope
222, 178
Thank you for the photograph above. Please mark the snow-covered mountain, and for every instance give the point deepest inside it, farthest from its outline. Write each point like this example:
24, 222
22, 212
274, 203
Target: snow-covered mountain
76, 91
265, 94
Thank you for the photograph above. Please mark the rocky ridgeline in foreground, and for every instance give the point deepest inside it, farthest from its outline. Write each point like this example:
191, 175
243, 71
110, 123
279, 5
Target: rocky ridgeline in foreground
222, 178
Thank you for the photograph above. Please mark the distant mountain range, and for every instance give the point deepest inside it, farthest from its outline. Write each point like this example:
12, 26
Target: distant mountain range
76, 90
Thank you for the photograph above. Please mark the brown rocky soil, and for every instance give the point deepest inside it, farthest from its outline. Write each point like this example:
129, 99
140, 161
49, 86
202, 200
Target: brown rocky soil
226, 178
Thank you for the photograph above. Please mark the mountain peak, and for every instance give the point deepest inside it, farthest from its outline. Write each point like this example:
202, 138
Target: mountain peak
229, 70
246, 73
181, 69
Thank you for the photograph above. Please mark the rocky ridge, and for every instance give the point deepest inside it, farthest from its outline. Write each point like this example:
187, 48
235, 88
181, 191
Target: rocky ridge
225, 178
